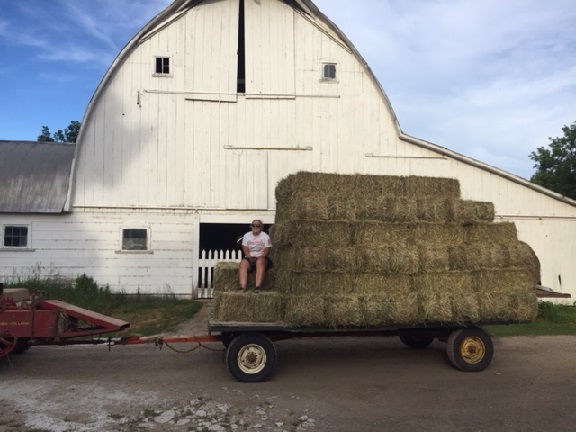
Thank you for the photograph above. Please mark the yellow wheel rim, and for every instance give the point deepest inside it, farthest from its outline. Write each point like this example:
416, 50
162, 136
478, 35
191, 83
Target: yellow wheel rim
252, 359
472, 350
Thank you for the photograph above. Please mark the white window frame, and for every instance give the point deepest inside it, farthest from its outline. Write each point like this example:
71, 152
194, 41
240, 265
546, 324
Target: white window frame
323, 65
170, 66
28, 246
148, 249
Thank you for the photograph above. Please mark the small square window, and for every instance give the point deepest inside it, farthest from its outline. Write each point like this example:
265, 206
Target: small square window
163, 65
329, 71
134, 239
16, 236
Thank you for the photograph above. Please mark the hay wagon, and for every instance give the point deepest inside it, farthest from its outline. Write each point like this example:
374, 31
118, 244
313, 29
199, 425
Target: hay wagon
251, 354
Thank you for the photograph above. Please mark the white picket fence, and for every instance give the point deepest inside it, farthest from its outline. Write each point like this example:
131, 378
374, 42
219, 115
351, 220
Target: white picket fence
206, 264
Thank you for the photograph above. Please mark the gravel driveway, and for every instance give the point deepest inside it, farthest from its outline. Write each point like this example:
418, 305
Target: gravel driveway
331, 384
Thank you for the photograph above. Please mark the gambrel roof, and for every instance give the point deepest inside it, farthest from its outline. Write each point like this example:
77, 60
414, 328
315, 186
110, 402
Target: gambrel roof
34, 176
306, 8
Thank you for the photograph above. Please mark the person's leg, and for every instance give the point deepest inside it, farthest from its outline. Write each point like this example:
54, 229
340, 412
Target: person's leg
260, 271
243, 273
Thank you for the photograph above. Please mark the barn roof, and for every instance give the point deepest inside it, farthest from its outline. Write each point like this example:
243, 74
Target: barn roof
34, 176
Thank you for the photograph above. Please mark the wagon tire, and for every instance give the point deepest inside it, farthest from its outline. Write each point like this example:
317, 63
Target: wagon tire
251, 357
415, 342
470, 349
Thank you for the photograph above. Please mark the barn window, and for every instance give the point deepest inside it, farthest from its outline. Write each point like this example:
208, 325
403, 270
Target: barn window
328, 71
162, 66
15, 236
135, 239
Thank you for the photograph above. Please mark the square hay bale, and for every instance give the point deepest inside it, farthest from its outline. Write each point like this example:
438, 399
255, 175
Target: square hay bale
501, 232
374, 234
342, 311
506, 280
435, 235
389, 308
436, 209
322, 258
409, 186
303, 206
304, 310
386, 208
508, 306
226, 278
320, 283
439, 295
331, 185
387, 259
433, 259
305, 233
248, 307
478, 256
472, 211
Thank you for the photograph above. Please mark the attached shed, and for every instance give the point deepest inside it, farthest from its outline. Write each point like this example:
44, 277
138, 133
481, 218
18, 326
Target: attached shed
201, 114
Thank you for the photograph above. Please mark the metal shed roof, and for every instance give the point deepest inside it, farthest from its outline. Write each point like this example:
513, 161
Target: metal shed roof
34, 176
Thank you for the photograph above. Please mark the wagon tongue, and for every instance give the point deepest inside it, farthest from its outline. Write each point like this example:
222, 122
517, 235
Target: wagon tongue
89, 322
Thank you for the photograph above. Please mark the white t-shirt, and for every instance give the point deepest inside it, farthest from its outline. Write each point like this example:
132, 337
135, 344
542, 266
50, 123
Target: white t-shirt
256, 244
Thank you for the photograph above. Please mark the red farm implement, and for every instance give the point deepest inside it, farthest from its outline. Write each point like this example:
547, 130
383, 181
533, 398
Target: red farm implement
26, 320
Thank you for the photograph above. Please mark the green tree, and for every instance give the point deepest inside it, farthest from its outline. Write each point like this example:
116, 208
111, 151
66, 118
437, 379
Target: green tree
70, 134
556, 164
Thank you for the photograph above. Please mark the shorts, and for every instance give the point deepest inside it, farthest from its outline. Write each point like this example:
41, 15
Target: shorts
252, 263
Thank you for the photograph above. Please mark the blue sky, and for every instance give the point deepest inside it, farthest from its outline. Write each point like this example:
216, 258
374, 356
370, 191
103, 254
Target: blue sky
490, 79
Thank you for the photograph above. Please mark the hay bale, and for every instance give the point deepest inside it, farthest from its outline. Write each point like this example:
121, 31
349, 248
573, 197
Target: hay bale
389, 308
387, 259
375, 234
304, 310
501, 232
343, 311
472, 211
386, 208
305, 233
408, 186
321, 283
433, 259
226, 278
320, 258
319, 184
303, 206
435, 235
248, 307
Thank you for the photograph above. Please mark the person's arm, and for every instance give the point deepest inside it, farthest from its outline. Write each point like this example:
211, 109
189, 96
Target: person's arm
265, 252
245, 251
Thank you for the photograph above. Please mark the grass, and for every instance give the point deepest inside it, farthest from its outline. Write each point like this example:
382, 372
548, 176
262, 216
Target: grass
552, 320
147, 315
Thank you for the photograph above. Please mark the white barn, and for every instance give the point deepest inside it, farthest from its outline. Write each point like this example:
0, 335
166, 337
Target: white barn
194, 123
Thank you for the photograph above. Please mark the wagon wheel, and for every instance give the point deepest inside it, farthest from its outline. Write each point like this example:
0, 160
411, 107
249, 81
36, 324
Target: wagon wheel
251, 357
470, 349
416, 342
7, 345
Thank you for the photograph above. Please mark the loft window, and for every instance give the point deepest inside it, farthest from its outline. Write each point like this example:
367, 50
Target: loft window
135, 239
328, 71
241, 78
162, 66
16, 236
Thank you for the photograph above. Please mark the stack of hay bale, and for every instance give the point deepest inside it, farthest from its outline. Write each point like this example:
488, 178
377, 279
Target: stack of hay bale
362, 251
